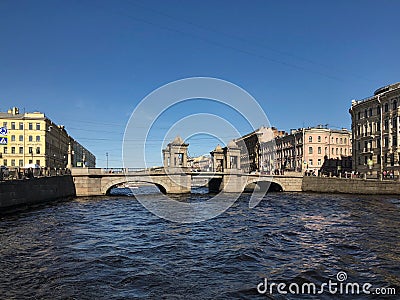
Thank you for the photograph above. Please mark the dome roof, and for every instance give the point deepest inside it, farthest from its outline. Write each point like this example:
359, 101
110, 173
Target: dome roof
232, 144
218, 148
178, 141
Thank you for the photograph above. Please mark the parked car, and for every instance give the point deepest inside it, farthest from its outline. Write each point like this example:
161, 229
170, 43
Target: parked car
4, 172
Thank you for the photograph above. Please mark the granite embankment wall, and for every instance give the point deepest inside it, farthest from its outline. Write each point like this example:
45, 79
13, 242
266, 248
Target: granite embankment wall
350, 186
35, 190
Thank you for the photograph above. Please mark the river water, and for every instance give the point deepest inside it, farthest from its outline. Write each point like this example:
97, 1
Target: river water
112, 248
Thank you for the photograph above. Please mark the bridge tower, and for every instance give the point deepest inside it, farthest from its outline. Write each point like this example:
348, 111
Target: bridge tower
175, 167
175, 154
232, 156
227, 160
218, 159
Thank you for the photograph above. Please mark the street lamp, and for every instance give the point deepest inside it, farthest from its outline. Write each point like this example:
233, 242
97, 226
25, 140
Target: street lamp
107, 159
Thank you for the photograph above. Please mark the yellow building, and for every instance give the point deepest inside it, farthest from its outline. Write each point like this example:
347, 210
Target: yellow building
32, 138
375, 124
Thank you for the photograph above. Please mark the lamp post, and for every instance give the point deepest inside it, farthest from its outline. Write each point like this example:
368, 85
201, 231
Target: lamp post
107, 159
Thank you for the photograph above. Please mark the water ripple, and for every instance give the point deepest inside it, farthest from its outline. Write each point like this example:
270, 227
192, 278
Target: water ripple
112, 248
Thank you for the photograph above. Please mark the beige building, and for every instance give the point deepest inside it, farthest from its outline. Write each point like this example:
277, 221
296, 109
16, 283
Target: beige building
306, 149
32, 138
375, 126
200, 163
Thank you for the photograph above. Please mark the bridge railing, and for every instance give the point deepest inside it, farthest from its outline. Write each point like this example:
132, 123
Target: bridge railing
27, 173
130, 170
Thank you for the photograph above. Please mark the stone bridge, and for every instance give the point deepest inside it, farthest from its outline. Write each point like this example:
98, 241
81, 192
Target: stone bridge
176, 177
95, 182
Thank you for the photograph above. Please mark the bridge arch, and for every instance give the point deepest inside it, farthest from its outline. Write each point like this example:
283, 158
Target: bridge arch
107, 185
272, 183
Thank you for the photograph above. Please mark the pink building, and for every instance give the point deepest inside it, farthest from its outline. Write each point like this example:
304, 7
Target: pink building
306, 149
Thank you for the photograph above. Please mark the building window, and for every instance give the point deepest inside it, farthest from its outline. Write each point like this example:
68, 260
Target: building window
370, 111
345, 151
310, 139
13, 162
31, 138
12, 125
345, 141
30, 150
394, 141
21, 138
365, 114
21, 150
394, 122
378, 143
341, 151
341, 140
394, 105
386, 126
333, 150
21, 163
359, 115
378, 110
38, 162
319, 139
37, 126
30, 126
21, 126
30, 161
319, 150
337, 141
13, 150
5, 124
38, 138
326, 150
337, 151
5, 162
378, 126
310, 162
386, 107
38, 150
386, 142
13, 138
310, 150
319, 161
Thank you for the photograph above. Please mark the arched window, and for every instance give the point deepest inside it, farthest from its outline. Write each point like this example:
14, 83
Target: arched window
319, 139
310, 139
394, 104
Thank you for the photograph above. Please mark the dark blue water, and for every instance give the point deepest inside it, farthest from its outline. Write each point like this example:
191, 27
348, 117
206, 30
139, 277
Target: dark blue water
112, 248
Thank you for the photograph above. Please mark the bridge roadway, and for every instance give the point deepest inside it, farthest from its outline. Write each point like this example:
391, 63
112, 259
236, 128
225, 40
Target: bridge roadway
96, 181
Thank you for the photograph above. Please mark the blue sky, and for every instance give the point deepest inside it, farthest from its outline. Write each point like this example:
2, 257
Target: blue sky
87, 64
